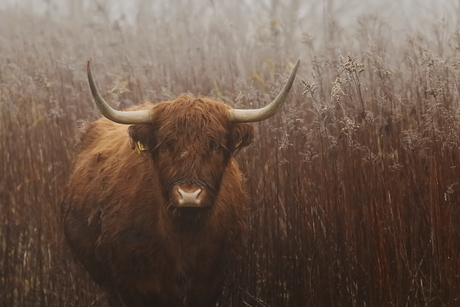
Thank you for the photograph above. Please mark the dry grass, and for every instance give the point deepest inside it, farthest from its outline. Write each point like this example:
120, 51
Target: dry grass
355, 186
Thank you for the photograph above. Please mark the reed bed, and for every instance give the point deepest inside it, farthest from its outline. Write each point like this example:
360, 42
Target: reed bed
355, 185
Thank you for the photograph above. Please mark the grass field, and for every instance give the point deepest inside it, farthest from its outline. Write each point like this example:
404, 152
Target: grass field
355, 185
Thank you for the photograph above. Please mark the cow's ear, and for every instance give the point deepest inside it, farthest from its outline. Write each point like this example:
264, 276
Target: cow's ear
241, 136
141, 136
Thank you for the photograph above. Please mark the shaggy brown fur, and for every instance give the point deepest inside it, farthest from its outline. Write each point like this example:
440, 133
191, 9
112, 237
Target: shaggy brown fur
120, 218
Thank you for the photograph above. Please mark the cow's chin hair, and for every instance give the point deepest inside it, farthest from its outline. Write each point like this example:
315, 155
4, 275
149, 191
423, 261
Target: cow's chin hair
189, 219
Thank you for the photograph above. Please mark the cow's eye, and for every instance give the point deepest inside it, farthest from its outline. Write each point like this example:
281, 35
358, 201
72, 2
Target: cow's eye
167, 146
215, 147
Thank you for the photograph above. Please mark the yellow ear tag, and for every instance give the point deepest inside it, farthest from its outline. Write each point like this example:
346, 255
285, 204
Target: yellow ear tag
140, 147
239, 143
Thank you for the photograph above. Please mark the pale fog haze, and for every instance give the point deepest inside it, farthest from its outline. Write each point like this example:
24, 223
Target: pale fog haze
407, 15
240, 23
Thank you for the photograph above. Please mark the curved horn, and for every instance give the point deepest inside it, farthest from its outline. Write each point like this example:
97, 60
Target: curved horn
255, 115
121, 117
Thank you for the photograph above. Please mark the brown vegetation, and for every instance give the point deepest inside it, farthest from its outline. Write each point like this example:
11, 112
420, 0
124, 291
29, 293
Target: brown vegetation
355, 185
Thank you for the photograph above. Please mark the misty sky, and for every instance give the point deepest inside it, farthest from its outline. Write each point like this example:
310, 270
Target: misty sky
409, 12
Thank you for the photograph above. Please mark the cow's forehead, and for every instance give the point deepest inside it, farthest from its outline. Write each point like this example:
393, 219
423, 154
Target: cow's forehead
193, 117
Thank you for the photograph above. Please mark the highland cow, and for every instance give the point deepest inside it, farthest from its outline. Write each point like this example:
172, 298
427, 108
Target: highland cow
155, 207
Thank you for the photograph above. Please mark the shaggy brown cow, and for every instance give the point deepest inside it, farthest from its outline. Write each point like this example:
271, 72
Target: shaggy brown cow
156, 211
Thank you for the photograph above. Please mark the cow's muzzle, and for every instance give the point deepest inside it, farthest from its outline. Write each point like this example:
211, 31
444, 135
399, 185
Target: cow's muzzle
189, 196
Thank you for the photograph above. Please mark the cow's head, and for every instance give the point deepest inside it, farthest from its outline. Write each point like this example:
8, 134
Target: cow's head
190, 140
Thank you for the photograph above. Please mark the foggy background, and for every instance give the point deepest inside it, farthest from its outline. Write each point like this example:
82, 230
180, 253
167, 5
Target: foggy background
407, 16
413, 13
